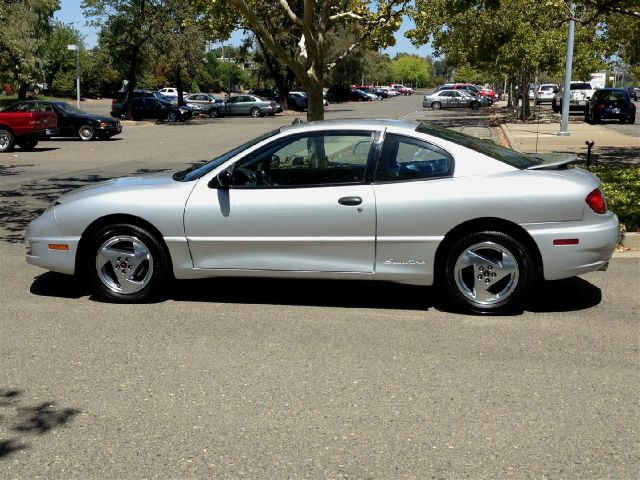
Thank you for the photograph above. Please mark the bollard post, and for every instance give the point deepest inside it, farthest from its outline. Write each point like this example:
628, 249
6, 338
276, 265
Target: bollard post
589, 147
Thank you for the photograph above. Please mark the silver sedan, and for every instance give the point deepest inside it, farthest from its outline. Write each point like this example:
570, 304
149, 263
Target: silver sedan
451, 99
374, 200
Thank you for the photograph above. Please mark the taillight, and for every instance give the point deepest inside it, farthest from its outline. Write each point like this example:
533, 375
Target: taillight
596, 202
600, 106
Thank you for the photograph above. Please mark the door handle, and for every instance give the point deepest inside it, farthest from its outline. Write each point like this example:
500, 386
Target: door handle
350, 201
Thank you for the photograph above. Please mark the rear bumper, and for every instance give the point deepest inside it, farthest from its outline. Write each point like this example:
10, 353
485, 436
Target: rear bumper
597, 240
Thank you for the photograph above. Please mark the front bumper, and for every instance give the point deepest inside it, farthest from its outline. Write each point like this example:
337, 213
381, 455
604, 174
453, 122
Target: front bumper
42, 235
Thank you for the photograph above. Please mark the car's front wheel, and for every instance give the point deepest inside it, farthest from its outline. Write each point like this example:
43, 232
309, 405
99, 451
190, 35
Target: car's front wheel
436, 105
86, 133
213, 113
7, 140
172, 117
127, 264
488, 272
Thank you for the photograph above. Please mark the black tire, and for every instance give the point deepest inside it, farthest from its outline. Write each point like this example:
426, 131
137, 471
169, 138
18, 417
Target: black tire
255, 112
7, 140
436, 105
28, 145
488, 272
86, 133
117, 276
172, 117
213, 113
632, 119
475, 105
555, 107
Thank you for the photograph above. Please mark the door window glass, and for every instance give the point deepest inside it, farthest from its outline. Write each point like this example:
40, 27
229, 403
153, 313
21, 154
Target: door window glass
405, 158
306, 160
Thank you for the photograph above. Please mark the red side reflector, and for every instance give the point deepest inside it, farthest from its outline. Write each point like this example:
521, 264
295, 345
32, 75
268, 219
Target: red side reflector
566, 241
59, 246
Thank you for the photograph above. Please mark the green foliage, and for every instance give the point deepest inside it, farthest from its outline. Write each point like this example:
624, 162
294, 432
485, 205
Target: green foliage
64, 83
621, 186
411, 69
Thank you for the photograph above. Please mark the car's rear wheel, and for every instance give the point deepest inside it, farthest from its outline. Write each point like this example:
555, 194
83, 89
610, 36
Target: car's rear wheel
7, 140
488, 272
436, 105
86, 133
475, 105
127, 264
632, 119
213, 113
256, 112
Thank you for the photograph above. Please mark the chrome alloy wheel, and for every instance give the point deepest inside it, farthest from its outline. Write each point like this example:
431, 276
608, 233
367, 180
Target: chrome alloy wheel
124, 264
86, 132
5, 140
486, 273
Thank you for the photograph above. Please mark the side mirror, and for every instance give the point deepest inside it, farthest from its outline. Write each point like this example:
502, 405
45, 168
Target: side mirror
222, 180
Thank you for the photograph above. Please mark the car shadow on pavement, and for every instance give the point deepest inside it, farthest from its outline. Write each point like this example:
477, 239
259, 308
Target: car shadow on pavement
566, 295
569, 294
24, 421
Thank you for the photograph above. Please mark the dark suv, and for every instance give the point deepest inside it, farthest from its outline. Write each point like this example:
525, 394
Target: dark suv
151, 107
610, 103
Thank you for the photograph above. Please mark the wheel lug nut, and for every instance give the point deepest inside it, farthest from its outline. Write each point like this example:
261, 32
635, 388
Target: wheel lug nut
487, 280
481, 269
119, 259
479, 277
131, 266
493, 275
124, 271
488, 268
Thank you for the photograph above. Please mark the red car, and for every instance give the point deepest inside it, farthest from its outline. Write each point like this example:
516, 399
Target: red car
25, 127
475, 90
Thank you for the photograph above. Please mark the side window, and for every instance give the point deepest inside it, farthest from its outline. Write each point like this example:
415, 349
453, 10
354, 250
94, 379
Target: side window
405, 158
306, 160
25, 107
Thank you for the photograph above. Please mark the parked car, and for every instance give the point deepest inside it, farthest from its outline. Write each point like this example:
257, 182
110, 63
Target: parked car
170, 92
297, 101
152, 108
401, 89
266, 93
546, 92
72, 122
610, 103
347, 199
249, 105
204, 104
341, 93
451, 99
579, 95
24, 125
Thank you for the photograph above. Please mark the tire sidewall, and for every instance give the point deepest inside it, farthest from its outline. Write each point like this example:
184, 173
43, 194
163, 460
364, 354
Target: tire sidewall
510, 304
88, 128
11, 140
158, 279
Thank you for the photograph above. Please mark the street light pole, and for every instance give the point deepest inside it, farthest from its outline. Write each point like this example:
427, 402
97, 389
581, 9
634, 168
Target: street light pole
77, 50
564, 119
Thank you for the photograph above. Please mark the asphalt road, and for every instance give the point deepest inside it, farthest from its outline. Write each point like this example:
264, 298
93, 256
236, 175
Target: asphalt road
277, 379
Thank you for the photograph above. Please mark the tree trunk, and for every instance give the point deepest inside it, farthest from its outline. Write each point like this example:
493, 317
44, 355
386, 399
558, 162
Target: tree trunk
179, 86
22, 91
525, 110
315, 108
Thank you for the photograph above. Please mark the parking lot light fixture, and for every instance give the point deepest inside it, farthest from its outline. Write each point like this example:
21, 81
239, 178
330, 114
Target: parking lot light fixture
77, 50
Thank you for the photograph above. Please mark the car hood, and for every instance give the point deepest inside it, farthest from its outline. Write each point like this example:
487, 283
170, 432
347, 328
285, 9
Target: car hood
153, 181
88, 116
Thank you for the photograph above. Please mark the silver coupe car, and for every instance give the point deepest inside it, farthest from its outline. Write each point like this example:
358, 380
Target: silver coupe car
453, 99
351, 199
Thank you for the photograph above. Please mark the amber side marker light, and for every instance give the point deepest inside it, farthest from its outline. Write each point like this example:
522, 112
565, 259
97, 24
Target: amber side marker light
59, 246
566, 241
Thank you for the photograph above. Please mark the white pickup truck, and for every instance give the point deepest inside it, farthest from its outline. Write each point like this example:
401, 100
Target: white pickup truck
579, 95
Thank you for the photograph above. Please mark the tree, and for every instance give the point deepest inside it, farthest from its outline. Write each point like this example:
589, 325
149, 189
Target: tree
127, 29
411, 69
314, 23
25, 28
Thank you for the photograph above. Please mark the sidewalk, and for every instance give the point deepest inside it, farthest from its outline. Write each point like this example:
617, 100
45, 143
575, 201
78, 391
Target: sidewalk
612, 145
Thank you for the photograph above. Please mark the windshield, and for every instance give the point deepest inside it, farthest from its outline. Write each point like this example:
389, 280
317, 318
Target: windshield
488, 148
197, 171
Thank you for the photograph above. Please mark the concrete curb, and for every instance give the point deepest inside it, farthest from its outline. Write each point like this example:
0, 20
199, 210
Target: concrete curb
507, 135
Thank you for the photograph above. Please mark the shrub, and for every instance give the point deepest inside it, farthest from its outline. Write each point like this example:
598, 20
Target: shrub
621, 186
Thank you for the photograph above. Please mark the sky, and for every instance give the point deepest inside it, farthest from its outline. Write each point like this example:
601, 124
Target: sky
71, 13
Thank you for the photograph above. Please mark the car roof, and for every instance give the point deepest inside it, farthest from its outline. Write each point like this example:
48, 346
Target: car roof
352, 123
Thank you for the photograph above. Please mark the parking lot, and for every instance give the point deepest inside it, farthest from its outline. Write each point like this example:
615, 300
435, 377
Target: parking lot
311, 379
